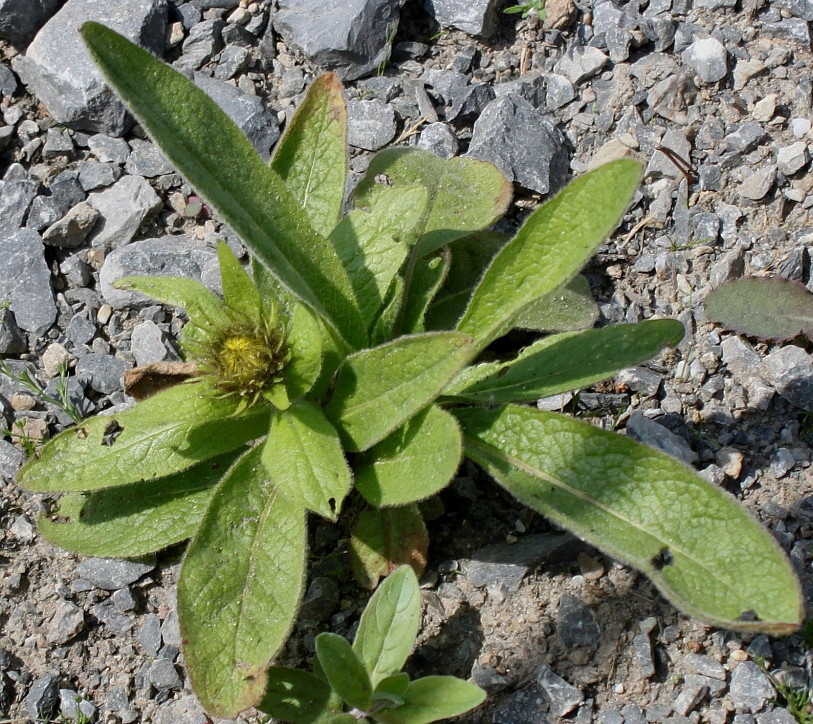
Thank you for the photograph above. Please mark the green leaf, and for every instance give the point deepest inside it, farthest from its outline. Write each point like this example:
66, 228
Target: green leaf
305, 344
392, 688
239, 291
240, 586
385, 539
344, 670
464, 195
216, 158
433, 698
703, 551
427, 278
304, 457
764, 307
550, 248
389, 626
295, 696
346, 719
565, 361
379, 389
381, 331
373, 241
311, 156
164, 434
412, 463
569, 308
132, 520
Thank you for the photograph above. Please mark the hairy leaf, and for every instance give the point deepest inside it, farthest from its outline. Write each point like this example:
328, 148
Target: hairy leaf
295, 696
701, 549
565, 361
550, 248
385, 539
304, 457
311, 156
379, 389
344, 670
305, 344
239, 290
166, 433
132, 520
427, 278
389, 625
412, 463
218, 161
433, 698
239, 588
464, 195
382, 329
764, 307
570, 307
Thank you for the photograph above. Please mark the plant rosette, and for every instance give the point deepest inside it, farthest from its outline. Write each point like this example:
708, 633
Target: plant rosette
351, 357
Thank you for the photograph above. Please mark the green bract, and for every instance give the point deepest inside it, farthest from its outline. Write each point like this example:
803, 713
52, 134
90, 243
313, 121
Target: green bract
352, 355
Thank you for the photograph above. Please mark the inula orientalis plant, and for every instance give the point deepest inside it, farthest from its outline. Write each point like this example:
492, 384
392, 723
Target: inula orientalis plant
350, 358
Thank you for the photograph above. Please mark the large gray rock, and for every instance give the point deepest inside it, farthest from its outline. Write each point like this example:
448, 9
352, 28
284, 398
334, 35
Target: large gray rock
349, 37
25, 280
122, 209
59, 72
790, 371
522, 143
247, 112
21, 19
475, 17
174, 256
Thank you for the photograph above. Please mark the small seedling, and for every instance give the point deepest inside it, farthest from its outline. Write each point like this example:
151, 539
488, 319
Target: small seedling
536, 8
352, 357
764, 307
797, 699
61, 401
364, 682
30, 445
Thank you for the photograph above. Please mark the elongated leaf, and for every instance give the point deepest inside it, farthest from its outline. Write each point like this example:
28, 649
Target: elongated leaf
383, 326
464, 195
295, 696
373, 241
385, 539
218, 161
565, 361
311, 156
412, 463
392, 688
305, 344
701, 549
166, 433
240, 586
570, 307
132, 520
550, 248
389, 626
434, 698
239, 291
765, 307
304, 457
344, 670
379, 389
427, 278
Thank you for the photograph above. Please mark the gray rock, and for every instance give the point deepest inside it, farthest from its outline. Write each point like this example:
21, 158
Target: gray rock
147, 343
660, 29
164, 256
170, 629
73, 706
793, 158
123, 600
233, 60
42, 699
68, 621
57, 143
25, 280
777, 716
163, 675
149, 636
470, 102
559, 91
526, 706
72, 230
96, 175
185, 710
122, 209
6, 135
790, 371
80, 329
8, 82
707, 58
562, 696
746, 138
21, 19
16, 198
107, 149
610, 716
757, 185
580, 63
350, 38
59, 72
146, 160
522, 143
44, 212
247, 112
575, 625
487, 678
11, 339
530, 86
694, 688
321, 599
475, 17
110, 574
640, 379
440, 139
750, 689
11, 460
704, 666
642, 648
794, 29
503, 565
371, 124
102, 373
649, 432
202, 44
